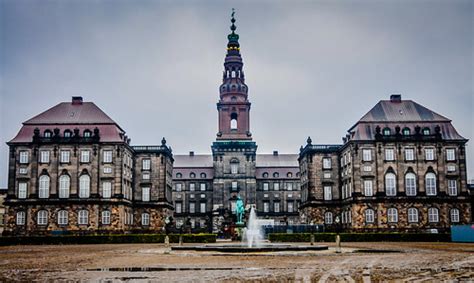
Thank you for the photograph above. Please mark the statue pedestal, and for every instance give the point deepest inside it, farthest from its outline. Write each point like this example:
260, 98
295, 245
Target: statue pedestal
239, 226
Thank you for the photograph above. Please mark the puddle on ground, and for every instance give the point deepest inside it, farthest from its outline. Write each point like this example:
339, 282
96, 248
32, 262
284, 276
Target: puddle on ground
160, 268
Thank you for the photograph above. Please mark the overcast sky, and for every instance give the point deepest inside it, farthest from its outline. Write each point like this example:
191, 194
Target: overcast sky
313, 67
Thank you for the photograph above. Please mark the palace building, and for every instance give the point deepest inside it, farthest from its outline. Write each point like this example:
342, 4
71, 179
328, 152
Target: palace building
72, 169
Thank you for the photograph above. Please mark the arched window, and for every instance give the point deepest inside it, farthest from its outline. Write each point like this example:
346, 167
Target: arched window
234, 166
83, 217
42, 218
233, 121
386, 132
63, 218
406, 131
430, 184
265, 175
84, 186
426, 131
328, 217
64, 185
233, 98
276, 175
289, 175
87, 133
390, 184
105, 217
145, 219
392, 215
47, 134
179, 175
410, 184
20, 218
192, 175
454, 213
67, 133
203, 175
44, 186
433, 215
412, 215
369, 215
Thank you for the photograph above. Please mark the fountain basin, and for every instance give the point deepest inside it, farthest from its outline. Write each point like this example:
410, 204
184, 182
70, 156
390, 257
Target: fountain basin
247, 249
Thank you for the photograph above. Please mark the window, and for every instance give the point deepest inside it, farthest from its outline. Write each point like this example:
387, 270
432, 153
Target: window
266, 206
326, 163
433, 215
234, 168
276, 186
179, 175
67, 133
265, 186
386, 132
203, 207
146, 194
328, 217
430, 183
202, 187
369, 216
63, 217
107, 156
42, 217
289, 186
233, 121
367, 168
276, 175
83, 217
409, 154
87, 134
366, 155
146, 176
429, 154
22, 190
390, 184
23, 157
192, 175
392, 215
368, 188
85, 156
451, 168
47, 134
406, 131
327, 175
203, 175
44, 186
234, 185
178, 187
145, 219
389, 154
265, 175
64, 185
23, 170
412, 215
410, 184
454, 213
107, 170
84, 186
452, 187
65, 156
44, 156
146, 164
450, 154
289, 175
20, 218
290, 206
192, 187
276, 206
426, 131
107, 189
106, 217
192, 207
179, 207
327, 193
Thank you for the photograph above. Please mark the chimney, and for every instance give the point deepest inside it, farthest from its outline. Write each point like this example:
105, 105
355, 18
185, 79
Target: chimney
275, 153
191, 153
396, 98
77, 100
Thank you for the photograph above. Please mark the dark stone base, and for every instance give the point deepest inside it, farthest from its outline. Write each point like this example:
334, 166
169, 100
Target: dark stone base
245, 249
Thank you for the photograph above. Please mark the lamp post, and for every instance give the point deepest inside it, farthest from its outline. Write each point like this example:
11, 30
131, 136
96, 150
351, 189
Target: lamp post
337, 221
167, 238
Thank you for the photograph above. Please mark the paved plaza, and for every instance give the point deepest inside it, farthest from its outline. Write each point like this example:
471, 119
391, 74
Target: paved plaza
358, 262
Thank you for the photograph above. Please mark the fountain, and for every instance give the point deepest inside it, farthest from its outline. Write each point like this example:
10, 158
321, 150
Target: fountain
252, 235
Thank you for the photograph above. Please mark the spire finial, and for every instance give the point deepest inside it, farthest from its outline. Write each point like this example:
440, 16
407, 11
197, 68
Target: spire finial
233, 37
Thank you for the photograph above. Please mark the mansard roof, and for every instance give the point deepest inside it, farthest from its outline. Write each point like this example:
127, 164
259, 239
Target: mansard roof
192, 161
277, 160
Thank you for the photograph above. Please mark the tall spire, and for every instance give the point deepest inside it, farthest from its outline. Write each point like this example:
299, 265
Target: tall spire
233, 37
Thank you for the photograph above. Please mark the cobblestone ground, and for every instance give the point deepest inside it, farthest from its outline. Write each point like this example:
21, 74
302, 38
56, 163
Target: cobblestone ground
358, 262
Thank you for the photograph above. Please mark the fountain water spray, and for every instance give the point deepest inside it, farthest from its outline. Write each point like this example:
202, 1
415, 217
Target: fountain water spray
253, 234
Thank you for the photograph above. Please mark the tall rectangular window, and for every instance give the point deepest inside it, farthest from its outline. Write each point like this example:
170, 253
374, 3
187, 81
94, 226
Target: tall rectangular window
450, 154
192, 187
178, 207
276, 186
276, 206
289, 186
107, 189
85, 156
327, 193
146, 194
145, 219
203, 187
389, 154
203, 207
24, 157
44, 156
146, 164
368, 188
429, 154
452, 187
178, 187
65, 156
107, 156
192, 207
22, 190
265, 186
266, 206
326, 163
234, 185
291, 206
409, 154
234, 168
366, 155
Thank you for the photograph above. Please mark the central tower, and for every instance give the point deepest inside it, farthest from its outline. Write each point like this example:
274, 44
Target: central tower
233, 151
